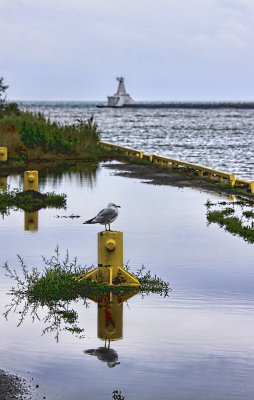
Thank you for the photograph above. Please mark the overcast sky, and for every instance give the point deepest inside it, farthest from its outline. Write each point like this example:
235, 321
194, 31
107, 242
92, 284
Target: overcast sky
166, 49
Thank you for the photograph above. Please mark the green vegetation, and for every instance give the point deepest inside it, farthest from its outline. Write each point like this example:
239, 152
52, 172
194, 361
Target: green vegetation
29, 200
239, 225
33, 137
55, 290
117, 395
56, 281
30, 136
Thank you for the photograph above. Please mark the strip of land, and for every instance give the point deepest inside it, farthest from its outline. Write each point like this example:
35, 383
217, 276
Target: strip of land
158, 175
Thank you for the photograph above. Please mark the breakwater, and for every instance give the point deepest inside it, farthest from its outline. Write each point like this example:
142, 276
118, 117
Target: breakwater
203, 171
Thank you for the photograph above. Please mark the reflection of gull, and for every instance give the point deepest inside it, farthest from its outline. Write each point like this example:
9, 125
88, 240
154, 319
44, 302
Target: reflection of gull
105, 354
105, 216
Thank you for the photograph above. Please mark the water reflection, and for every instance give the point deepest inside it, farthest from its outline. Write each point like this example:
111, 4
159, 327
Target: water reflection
105, 354
3, 182
31, 221
109, 325
60, 171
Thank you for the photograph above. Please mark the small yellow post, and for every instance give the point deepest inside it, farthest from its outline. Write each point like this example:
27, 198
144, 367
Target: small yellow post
231, 180
210, 175
141, 154
110, 269
3, 182
31, 180
200, 173
110, 253
251, 186
3, 153
31, 221
220, 179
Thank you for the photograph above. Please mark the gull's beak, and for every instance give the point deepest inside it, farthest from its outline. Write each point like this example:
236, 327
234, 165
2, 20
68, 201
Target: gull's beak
118, 206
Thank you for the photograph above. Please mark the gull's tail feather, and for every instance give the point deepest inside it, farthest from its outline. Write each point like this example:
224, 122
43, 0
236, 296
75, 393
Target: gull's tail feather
90, 221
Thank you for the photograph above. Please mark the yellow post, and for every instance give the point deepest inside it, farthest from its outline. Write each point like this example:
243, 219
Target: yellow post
110, 269
210, 175
251, 186
3, 182
200, 173
231, 179
3, 153
31, 221
141, 154
220, 179
31, 180
110, 254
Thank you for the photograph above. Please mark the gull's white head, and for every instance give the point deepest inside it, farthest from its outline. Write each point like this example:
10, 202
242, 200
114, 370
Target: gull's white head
113, 205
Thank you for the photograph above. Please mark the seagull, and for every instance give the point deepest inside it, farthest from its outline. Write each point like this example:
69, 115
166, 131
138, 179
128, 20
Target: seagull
105, 216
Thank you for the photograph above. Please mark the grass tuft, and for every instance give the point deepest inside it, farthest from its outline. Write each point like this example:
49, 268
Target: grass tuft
235, 224
29, 200
56, 289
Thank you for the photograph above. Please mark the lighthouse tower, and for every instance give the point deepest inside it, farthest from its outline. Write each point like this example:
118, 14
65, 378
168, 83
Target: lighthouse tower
121, 97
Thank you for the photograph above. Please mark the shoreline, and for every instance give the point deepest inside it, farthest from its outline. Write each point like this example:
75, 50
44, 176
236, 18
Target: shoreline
159, 175
123, 166
14, 387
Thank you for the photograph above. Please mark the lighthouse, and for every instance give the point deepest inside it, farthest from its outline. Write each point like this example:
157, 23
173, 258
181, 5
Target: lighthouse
121, 97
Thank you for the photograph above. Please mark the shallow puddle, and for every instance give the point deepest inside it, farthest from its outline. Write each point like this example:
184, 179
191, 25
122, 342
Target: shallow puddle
195, 344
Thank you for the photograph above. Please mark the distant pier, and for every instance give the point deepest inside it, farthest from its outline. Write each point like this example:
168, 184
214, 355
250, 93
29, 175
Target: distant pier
187, 105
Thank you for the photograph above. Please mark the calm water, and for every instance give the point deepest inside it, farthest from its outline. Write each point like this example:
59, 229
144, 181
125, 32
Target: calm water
219, 138
196, 344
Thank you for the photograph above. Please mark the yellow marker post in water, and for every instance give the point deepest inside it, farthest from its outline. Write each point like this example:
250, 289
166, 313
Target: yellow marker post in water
31, 180
110, 269
3, 153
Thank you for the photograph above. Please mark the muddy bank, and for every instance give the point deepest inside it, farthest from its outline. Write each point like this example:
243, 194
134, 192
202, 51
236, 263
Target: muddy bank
158, 175
14, 388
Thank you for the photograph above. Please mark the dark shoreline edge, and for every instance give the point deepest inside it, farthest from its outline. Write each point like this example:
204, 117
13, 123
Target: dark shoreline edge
162, 176
14, 387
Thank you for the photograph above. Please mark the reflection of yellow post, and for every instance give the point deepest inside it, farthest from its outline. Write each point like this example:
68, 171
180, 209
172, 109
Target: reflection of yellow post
110, 317
31, 180
110, 314
110, 262
31, 221
3, 153
3, 182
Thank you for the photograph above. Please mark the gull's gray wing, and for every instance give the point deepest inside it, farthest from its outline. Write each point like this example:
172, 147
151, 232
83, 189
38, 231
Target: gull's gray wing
105, 215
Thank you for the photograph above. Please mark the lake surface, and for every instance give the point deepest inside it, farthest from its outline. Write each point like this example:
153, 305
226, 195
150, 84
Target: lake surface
195, 344
218, 138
